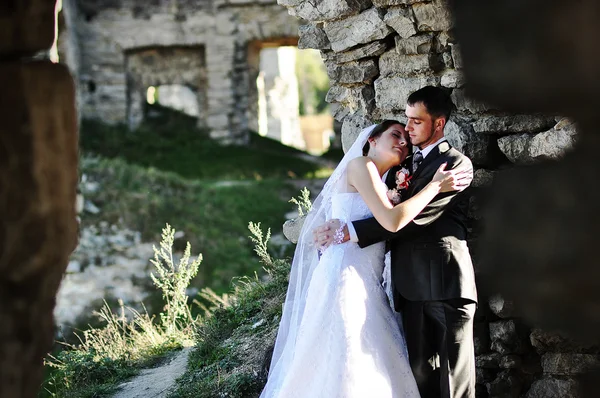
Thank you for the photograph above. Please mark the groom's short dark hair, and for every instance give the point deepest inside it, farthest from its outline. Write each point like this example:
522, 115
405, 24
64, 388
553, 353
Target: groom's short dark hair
436, 100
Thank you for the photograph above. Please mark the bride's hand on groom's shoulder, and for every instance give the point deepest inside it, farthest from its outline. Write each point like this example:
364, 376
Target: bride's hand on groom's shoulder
332, 232
452, 180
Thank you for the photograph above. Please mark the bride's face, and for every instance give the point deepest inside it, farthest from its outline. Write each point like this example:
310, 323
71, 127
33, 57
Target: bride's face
394, 143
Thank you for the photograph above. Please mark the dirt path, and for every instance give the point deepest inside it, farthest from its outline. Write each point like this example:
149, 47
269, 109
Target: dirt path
156, 382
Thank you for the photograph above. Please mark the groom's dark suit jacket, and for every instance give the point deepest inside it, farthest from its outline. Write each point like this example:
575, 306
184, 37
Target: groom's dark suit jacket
430, 257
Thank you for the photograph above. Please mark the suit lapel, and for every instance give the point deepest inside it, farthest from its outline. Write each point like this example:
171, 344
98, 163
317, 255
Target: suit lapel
436, 152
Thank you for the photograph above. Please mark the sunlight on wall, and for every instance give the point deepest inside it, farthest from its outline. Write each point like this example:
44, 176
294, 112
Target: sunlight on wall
54, 48
178, 97
151, 95
262, 105
278, 104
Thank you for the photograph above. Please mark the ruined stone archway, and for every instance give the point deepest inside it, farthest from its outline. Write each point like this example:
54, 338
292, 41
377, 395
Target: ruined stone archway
101, 37
159, 66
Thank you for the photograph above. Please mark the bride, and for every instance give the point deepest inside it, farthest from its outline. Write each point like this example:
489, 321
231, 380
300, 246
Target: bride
338, 336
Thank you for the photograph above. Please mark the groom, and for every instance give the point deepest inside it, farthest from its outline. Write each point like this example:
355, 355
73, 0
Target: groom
432, 273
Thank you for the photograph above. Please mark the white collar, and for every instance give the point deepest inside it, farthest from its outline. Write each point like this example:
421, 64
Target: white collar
425, 151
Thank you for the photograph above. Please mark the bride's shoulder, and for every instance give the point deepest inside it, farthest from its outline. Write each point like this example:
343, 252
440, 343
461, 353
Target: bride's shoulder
359, 162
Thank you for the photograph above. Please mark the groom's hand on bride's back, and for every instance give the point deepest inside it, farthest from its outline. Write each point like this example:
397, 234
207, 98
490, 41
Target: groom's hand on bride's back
332, 232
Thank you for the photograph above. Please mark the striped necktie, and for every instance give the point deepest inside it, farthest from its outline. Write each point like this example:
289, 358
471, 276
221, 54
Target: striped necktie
417, 159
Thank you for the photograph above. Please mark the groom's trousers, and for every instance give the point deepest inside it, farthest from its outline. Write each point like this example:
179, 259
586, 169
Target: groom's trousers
439, 336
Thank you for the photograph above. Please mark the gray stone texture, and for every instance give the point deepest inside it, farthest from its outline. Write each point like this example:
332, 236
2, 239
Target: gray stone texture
324, 10
373, 49
550, 387
352, 72
216, 50
393, 64
433, 16
313, 36
419, 44
391, 92
401, 20
551, 144
360, 29
568, 363
508, 337
481, 149
501, 307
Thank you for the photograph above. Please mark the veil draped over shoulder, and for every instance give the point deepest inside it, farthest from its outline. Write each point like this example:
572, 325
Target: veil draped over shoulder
306, 259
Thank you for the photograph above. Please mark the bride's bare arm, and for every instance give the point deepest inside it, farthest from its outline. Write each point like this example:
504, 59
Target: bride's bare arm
363, 175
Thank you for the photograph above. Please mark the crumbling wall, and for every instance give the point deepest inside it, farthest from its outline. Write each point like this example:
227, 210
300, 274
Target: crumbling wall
106, 33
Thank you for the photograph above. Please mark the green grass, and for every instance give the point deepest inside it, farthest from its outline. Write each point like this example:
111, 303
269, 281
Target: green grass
213, 217
171, 172
173, 143
84, 375
229, 359
168, 171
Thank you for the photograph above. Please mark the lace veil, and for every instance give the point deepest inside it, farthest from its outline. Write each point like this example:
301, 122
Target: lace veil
306, 259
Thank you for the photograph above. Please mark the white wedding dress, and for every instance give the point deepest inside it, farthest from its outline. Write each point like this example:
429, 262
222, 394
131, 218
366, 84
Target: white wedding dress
348, 343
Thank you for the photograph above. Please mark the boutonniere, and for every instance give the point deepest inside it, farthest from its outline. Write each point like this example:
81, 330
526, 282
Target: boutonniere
402, 180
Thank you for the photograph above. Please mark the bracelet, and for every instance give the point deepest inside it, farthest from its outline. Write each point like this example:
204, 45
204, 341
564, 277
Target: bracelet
338, 235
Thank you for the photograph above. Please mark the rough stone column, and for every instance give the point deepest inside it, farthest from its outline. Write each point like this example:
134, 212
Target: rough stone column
219, 65
38, 178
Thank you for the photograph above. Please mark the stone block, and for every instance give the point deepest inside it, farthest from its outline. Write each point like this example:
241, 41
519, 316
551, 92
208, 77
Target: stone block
442, 41
402, 21
568, 363
352, 72
27, 27
513, 124
419, 44
351, 128
452, 78
391, 93
447, 59
527, 148
546, 341
393, 64
481, 149
488, 361
507, 385
325, 10
508, 337
292, 228
456, 56
550, 387
501, 307
373, 49
356, 98
313, 36
360, 29
511, 361
465, 102
391, 3
433, 16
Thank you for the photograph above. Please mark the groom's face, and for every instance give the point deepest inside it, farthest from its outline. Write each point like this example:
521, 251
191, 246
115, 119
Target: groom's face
422, 128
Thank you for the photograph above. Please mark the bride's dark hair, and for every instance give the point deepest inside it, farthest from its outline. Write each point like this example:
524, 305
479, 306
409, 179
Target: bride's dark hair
377, 131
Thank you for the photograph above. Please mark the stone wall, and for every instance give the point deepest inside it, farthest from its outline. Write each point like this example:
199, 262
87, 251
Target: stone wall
377, 52
218, 39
